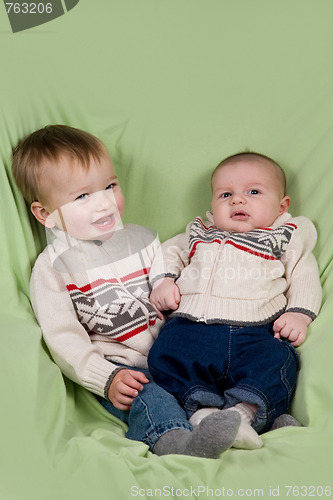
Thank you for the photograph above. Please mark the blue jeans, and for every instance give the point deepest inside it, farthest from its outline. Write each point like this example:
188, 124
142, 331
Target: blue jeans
220, 365
153, 412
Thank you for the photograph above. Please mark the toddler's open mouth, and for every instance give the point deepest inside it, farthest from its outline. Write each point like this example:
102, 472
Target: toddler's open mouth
106, 222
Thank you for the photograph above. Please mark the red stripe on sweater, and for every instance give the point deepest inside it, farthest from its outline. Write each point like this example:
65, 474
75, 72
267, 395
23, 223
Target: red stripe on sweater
201, 241
95, 284
203, 225
90, 286
132, 333
136, 274
253, 252
271, 229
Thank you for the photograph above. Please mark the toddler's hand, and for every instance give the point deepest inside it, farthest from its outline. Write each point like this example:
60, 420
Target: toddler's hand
165, 296
292, 326
125, 387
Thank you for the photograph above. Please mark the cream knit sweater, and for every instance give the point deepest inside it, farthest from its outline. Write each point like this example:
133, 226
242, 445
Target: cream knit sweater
243, 278
91, 301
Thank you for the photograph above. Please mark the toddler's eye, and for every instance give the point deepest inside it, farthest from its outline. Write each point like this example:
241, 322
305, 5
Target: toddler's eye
254, 191
82, 196
225, 195
110, 186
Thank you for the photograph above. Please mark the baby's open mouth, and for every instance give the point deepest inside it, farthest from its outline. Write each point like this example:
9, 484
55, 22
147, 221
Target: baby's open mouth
239, 215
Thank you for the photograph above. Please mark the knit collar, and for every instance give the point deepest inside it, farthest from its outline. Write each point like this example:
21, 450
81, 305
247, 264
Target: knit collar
281, 219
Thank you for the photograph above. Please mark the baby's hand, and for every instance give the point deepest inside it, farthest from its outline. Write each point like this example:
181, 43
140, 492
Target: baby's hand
125, 387
165, 296
292, 326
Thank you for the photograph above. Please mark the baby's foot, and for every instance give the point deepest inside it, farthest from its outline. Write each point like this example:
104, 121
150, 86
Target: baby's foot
247, 438
285, 420
211, 437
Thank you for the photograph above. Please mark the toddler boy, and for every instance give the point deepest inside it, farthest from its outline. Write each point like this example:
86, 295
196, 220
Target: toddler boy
89, 290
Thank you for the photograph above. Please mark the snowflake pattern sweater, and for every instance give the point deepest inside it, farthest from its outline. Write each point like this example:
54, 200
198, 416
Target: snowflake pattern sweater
243, 278
91, 301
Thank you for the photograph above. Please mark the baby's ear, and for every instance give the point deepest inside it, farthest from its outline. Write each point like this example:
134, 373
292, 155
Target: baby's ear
41, 214
284, 205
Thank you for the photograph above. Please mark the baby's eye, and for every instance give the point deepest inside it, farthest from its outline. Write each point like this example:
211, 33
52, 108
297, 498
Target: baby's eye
110, 186
253, 191
225, 195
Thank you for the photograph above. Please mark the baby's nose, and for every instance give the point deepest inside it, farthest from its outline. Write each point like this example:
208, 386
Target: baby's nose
238, 198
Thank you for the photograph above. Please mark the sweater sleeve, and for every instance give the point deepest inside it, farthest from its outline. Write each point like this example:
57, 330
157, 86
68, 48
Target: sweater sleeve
68, 342
304, 291
171, 258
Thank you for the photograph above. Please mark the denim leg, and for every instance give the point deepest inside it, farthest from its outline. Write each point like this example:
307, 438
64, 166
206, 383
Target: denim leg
220, 365
187, 360
153, 412
263, 371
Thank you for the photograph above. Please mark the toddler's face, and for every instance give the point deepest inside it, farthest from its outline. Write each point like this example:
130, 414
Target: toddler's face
87, 203
247, 195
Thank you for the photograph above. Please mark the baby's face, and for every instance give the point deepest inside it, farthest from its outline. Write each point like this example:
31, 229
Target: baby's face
87, 203
247, 195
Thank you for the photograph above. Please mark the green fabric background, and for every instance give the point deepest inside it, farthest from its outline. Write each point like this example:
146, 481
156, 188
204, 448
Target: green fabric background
171, 87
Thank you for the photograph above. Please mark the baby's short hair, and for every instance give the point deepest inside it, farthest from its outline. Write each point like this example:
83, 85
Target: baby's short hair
46, 147
249, 155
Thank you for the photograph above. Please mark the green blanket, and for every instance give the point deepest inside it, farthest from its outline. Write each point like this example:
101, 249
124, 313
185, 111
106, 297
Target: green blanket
171, 87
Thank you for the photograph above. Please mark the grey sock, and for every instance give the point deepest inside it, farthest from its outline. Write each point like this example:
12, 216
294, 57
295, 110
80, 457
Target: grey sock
213, 435
284, 421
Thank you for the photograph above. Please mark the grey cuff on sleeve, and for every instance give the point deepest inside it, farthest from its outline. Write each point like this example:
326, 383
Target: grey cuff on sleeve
160, 276
109, 381
303, 311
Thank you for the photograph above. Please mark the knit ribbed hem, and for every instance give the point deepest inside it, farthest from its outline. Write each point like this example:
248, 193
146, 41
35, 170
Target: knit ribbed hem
221, 321
230, 311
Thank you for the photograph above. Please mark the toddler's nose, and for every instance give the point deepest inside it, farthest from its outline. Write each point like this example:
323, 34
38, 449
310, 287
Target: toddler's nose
104, 200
